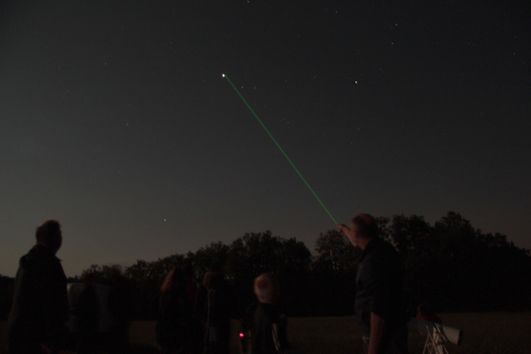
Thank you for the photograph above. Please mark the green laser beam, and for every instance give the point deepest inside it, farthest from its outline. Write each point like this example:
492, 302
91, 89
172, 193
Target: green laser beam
282, 151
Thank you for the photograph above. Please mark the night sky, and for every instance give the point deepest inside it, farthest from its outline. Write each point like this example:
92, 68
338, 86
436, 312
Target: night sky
114, 119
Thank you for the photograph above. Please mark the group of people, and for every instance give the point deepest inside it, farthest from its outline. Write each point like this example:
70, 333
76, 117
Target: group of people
196, 319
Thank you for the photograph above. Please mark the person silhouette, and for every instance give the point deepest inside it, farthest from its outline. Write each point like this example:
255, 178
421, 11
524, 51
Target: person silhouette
215, 308
265, 322
175, 325
378, 300
37, 322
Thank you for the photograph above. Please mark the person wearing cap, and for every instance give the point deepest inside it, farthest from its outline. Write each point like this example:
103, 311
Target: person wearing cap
378, 300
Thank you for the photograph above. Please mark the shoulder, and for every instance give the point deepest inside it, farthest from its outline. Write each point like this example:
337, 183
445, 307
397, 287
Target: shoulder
30, 262
381, 257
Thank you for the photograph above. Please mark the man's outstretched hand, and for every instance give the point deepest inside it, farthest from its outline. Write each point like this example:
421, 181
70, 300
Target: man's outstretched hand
344, 230
347, 232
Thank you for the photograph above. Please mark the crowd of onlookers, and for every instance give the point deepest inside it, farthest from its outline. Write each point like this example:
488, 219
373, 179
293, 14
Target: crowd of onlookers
197, 320
49, 315
192, 318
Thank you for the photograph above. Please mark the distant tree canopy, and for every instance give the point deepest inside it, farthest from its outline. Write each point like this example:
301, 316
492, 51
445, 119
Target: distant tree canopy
448, 264
455, 266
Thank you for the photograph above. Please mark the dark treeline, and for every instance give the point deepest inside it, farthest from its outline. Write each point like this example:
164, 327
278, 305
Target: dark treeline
449, 265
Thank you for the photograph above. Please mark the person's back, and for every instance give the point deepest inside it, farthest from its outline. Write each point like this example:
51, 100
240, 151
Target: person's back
215, 308
379, 284
268, 333
40, 305
175, 328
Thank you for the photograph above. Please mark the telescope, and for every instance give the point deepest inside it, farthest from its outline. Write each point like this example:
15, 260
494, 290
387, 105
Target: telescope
437, 336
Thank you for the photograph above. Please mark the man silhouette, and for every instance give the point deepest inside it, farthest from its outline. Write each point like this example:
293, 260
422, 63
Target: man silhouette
40, 306
378, 303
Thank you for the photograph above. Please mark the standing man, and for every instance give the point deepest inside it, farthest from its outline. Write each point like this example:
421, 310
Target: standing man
378, 300
40, 305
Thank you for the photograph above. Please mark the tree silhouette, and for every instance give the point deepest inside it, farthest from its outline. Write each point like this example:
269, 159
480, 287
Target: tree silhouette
449, 264
335, 254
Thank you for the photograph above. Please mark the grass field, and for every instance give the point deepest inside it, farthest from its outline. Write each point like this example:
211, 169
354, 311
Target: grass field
484, 333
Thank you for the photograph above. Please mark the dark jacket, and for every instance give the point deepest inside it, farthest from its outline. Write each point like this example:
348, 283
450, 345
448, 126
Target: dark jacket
40, 305
379, 285
215, 307
175, 321
268, 332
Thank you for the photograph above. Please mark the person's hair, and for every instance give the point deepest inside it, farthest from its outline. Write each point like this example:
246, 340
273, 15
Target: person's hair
366, 225
172, 280
266, 288
49, 233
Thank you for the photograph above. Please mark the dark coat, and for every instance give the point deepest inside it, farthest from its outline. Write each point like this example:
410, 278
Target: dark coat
40, 304
175, 324
379, 291
268, 331
215, 309
379, 284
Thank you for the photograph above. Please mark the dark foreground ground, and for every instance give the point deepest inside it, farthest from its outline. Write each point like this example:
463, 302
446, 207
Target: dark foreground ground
484, 333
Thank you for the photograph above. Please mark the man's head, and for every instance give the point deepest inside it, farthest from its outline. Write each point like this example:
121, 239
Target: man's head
49, 235
364, 229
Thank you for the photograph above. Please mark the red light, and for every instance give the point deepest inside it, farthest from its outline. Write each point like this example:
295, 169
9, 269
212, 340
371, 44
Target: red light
242, 335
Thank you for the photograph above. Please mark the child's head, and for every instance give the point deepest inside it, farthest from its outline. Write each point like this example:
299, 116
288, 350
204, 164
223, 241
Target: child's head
266, 288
